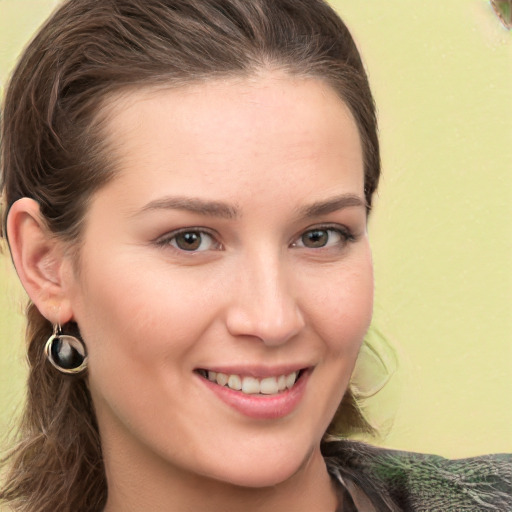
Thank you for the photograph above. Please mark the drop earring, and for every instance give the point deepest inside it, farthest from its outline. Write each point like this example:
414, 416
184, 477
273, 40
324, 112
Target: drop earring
65, 352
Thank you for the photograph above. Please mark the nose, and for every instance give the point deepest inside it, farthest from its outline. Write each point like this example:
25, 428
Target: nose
263, 304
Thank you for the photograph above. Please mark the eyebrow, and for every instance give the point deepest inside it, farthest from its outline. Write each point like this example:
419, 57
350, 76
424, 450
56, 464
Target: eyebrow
226, 211
194, 205
332, 205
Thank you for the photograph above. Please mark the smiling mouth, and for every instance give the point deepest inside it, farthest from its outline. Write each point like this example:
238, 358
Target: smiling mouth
251, 385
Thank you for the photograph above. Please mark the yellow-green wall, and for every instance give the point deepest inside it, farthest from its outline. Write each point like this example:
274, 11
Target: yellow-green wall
442, 239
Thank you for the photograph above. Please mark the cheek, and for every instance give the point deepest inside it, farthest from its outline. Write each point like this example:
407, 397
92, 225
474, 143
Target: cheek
344, 307
115, 310
118, 298
139, 332
342, 315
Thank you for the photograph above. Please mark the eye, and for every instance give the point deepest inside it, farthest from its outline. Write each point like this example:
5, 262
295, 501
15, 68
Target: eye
190, 240
323, 237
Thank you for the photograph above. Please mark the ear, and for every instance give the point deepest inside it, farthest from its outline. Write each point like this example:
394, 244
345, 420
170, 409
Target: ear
40, 260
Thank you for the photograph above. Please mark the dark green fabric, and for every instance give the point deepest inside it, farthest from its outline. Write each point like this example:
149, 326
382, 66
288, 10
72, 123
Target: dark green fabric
396, 481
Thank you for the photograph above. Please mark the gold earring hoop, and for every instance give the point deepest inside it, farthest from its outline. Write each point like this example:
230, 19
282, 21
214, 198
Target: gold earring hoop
66, 353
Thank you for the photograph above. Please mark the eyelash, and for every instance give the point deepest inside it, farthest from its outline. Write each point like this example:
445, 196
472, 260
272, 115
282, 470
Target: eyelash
167, 240
170, 239
343, 232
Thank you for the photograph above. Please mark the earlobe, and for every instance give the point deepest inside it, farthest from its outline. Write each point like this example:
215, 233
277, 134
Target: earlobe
38, 257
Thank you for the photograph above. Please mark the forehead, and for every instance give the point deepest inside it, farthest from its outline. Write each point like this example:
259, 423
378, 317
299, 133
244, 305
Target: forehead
255, 130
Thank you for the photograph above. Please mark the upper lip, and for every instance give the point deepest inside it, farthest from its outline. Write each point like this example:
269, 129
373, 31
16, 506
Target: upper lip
257, 371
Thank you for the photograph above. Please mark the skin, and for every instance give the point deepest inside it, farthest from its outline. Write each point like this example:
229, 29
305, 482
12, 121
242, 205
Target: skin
254, 294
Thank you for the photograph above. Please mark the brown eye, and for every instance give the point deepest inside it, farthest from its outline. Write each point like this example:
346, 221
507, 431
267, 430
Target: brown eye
316, 238
188, 241
320, 238
191, 241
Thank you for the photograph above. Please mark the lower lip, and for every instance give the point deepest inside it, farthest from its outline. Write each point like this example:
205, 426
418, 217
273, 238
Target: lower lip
266, 407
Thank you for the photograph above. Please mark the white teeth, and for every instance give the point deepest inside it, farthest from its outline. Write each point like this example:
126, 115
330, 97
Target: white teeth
222, 379
290, 379
252, 385
269, 386
234, 382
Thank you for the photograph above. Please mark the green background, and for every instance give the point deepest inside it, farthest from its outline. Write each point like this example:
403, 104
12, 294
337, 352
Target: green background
441, 233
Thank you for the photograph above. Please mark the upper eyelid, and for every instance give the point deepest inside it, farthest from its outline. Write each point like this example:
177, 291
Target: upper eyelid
326, 225
345, 230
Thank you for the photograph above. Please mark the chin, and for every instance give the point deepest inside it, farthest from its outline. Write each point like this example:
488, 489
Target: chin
264, 471
258, 478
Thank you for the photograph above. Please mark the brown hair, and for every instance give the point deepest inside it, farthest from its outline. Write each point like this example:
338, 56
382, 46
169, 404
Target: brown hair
52, 151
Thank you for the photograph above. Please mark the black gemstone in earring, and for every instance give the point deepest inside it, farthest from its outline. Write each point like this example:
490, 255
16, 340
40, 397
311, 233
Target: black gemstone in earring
66, 353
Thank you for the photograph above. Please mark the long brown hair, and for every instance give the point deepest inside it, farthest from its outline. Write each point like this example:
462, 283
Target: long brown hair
53, 151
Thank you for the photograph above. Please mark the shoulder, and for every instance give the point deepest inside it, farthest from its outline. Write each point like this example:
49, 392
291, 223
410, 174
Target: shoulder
404, 481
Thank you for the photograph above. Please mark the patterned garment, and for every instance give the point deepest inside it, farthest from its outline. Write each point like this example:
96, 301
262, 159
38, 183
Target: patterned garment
378, 480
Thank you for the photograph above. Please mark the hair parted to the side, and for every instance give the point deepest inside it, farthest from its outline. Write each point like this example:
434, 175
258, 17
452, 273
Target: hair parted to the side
52, 150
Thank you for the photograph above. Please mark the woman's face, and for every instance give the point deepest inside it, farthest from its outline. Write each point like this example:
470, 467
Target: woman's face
231, 246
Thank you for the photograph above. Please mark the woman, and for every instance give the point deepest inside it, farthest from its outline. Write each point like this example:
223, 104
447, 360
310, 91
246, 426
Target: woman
187, 186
